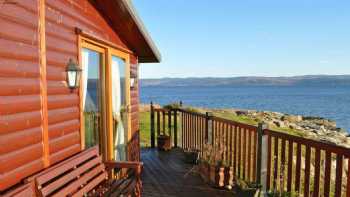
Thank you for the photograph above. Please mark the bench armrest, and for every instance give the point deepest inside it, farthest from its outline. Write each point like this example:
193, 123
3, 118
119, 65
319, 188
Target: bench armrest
136, 166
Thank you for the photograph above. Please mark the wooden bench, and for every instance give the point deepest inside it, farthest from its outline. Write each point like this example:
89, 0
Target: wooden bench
85, 174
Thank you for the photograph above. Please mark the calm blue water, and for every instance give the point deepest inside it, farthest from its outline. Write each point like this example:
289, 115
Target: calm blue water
328, 102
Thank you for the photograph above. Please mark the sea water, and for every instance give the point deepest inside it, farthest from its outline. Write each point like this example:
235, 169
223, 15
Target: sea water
328, 102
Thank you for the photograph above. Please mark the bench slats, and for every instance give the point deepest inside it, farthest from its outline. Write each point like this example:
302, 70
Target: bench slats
83, 173
84, 156
70, 176
96, 181
72, 187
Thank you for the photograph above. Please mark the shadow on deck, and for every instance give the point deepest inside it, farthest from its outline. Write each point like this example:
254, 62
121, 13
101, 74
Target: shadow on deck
163, 175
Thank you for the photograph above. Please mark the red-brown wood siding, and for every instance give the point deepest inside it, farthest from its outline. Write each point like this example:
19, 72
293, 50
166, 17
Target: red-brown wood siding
21, 147
62, 17
134, 144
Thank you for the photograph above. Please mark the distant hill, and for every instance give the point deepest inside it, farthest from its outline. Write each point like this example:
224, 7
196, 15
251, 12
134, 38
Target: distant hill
307, 80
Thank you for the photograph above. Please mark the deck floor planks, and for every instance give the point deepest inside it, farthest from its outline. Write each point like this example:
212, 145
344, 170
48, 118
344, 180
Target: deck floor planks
163, 176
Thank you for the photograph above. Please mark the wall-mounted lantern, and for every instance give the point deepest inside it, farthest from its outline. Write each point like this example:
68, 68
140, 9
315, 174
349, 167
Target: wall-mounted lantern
73, 74
133, 80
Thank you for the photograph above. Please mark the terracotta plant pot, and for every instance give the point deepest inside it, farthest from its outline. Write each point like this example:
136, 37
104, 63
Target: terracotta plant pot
229, 176
217, 176
164, 142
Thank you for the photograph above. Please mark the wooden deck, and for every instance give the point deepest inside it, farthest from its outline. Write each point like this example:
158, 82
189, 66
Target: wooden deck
163, 175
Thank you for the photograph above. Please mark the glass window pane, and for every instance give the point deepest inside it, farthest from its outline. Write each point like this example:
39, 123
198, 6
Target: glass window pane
119, 107
92, 95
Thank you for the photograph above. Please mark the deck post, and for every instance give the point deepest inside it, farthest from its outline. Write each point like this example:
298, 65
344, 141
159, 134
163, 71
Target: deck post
208, 126
152, 127
175, 128
261, 165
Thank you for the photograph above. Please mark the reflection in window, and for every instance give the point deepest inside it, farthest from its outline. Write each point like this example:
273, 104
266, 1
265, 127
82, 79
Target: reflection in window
92, 94
119, 107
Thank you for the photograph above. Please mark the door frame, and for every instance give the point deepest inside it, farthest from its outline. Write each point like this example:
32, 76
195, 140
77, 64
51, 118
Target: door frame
126, 57
106, 110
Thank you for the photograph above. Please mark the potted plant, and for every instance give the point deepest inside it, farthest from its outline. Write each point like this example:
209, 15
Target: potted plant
212, 167
164, 142
229, 175
191, 156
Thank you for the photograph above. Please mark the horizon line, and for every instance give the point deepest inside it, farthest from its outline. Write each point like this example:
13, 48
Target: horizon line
261, 76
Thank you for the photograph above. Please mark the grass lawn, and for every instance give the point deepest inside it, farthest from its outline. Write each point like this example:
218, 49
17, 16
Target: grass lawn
145, 124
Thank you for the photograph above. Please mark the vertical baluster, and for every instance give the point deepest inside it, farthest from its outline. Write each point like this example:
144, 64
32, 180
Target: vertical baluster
169, 127
227, 147
327, 179
339, 175
317, 173
307, 172
175, 128
283, 161
163, 118
254, 155
187, 130
249, 155
218, 133
268, 173
239, 151
244, 163
348, 180
201, 133
158, 123
184, 114
235, 151
193, 123
290, 165
190, 130
231, 144
152, 127
182, 130
298, 168
198, 132
275, 168
213, 132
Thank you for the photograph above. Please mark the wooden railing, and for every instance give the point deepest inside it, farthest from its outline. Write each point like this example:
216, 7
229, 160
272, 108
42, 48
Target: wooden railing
290, 160
283, 164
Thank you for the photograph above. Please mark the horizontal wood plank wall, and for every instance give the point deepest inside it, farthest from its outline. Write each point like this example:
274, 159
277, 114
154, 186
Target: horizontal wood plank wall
62, 17
21, 149
134, 113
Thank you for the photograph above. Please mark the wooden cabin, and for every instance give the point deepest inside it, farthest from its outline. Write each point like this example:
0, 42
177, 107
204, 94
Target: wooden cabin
43, 119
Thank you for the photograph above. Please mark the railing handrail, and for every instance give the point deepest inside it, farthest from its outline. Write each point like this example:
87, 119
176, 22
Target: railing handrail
313, 142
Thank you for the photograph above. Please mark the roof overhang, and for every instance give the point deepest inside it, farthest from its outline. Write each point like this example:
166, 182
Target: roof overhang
123, 18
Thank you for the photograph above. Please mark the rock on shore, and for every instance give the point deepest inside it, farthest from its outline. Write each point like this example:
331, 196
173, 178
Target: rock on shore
311, 127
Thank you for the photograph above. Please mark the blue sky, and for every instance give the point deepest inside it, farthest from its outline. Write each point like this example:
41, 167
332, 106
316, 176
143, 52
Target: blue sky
225, 38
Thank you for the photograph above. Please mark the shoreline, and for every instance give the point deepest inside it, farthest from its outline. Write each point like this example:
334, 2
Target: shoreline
312, 127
